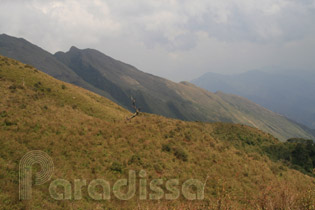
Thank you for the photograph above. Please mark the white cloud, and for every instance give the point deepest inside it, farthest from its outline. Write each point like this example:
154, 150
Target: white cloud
80, 17
169, 37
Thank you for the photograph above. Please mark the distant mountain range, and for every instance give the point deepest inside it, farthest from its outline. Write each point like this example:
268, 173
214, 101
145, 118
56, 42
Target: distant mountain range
290, 93
118, 81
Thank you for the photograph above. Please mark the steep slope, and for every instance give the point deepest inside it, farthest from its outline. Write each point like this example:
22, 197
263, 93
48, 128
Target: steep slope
87, 137
266, 119
26, 52
178, 100
121, 80
118, 81
290, 93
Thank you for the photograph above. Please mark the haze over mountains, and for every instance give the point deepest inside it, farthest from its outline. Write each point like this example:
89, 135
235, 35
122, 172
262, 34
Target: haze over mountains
290, 92
118, 81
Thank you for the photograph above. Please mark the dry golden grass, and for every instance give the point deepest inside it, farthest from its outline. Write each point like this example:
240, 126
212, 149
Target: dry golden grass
86, 135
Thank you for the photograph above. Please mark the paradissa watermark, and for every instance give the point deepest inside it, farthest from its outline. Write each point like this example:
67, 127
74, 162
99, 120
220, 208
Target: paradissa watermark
122, 189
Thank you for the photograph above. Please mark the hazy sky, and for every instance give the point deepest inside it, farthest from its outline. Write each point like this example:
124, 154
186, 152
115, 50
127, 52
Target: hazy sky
176, 39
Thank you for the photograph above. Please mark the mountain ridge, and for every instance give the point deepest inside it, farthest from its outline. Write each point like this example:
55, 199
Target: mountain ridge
118, 81
26, 52
88, 137
288, 92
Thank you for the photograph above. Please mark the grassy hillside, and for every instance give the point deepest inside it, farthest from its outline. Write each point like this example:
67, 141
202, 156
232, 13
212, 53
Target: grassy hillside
177, 100
88, 137
28, 53
290, 92
265, 119
118, 81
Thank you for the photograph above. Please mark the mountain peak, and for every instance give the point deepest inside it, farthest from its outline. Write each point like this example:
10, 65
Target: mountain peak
116, 80
73, 49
